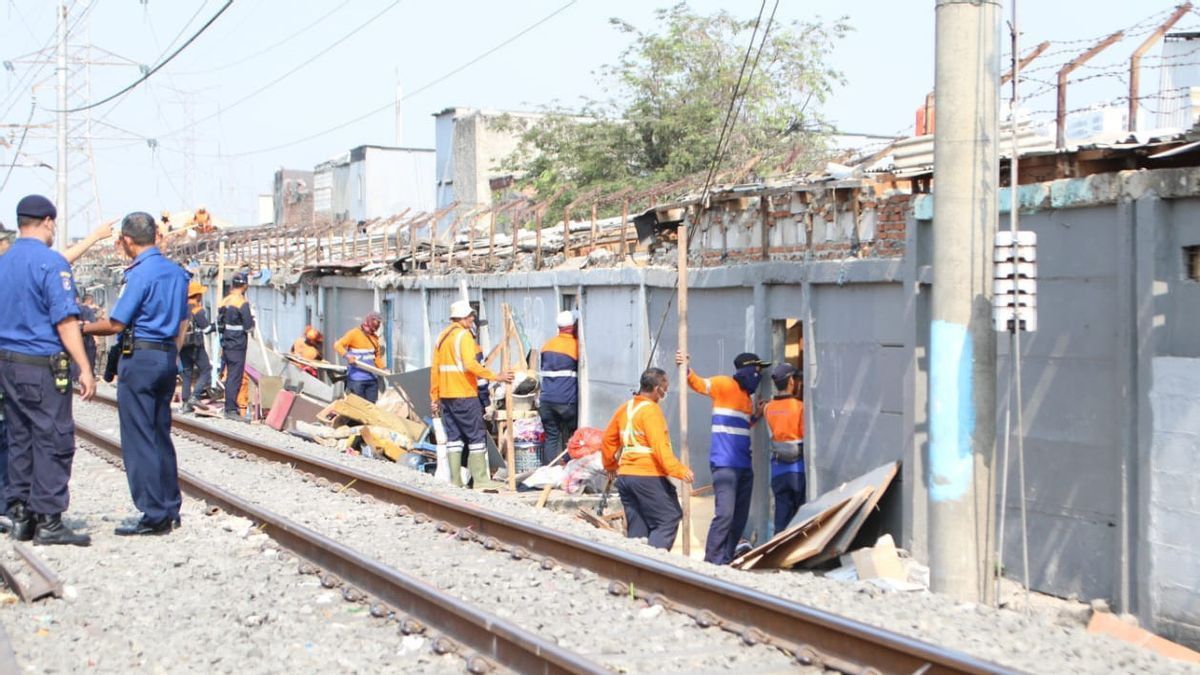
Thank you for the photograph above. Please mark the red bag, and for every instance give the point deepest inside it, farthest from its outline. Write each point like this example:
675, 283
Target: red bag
585, 441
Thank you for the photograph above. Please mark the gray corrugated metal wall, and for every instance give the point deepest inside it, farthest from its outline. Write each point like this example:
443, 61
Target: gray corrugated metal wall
1112, 294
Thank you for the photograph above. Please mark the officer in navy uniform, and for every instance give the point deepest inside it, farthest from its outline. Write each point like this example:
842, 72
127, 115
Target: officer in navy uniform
234, 321
37, 333
6, 238
87, 313
153, 305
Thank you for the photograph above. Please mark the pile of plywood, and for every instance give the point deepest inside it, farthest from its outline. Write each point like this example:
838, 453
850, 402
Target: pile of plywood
824, 528
388, 428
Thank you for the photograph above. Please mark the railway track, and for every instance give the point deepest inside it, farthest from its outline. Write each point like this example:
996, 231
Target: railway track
813, 637
418, 606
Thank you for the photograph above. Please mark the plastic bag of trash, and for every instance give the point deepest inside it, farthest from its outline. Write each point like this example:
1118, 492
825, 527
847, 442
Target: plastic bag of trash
585, 474
546, 475
585, 441
528, 430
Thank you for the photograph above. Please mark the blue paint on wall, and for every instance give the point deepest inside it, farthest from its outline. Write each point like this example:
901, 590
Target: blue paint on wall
951, 411
923, 207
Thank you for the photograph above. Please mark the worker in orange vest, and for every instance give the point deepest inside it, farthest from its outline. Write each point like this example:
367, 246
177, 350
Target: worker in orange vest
785, 416
637, 449
454, 394
361, 344
729, 454
308, 347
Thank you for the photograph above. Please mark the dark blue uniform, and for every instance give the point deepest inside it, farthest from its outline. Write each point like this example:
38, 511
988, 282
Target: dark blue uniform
88, 315
41, 427
235, 322
193, 357
154, 303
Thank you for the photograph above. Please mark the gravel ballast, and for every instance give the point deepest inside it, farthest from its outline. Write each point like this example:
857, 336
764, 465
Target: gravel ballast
212, 597
571, 607
1049, 641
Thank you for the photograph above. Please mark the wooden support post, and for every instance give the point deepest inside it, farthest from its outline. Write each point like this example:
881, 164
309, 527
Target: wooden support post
624, 250
220, 272
537, 240
471, 240
492, 237
509, 440
764, 208
343, 244
1135, 61
682, 244
1060, 118
595, 223
1025, 61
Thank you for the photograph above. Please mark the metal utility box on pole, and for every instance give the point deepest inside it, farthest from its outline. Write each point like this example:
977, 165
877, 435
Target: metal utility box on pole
962, 387
60, 198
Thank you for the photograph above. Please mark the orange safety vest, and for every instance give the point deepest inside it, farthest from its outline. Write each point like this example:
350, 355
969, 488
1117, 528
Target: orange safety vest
638, 432
456, 372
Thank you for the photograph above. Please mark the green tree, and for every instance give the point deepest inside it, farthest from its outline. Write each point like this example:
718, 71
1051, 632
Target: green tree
668, 96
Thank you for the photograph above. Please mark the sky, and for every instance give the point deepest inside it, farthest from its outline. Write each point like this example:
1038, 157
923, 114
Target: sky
292, 83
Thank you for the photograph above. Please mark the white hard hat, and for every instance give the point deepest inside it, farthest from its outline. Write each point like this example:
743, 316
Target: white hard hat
566, 318
460, 310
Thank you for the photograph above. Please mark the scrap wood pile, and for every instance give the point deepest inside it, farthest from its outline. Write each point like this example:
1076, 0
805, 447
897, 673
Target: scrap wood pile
386, 429
825, 528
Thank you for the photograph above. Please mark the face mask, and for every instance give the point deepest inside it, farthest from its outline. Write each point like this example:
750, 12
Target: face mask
748, 378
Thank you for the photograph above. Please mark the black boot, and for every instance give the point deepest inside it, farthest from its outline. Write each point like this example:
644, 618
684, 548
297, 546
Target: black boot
51, 531
22, 521
188, 406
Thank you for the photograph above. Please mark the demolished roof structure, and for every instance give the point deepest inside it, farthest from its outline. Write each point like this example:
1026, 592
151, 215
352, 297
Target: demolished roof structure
842, 212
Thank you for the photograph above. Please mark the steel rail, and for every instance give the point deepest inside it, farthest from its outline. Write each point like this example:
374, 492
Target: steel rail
502, 641
813, 635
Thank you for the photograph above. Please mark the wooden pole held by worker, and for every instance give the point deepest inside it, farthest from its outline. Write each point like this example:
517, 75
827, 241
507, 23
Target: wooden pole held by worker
682, 385
508, 402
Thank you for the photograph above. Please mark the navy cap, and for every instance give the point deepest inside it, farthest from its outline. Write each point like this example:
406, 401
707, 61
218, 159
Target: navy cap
240, 279
748, 359
782, 373
36, 206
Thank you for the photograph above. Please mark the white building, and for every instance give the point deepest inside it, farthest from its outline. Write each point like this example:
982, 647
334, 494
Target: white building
374, 181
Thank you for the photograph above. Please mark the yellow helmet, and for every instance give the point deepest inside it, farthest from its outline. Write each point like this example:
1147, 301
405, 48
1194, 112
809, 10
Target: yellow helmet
195, 288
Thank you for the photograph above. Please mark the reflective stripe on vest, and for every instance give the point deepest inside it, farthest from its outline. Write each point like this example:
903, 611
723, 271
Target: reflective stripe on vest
628, 435
557, 373
457, 366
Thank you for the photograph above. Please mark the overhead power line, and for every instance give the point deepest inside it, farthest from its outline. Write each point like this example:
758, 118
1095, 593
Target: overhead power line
20, 145
155, 69
32, 73
414, 92
315, 22
293, 71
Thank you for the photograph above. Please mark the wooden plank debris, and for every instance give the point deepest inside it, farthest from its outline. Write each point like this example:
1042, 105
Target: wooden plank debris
361, 410
319, 365
369, 368
825, 527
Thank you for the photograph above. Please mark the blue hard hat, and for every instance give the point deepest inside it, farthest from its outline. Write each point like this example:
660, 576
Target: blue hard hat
240, 279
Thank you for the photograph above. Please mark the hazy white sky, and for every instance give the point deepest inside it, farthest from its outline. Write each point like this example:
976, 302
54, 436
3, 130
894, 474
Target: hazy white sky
226, 113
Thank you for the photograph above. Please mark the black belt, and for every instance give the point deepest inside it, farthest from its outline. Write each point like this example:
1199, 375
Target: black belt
158, 346
24, 358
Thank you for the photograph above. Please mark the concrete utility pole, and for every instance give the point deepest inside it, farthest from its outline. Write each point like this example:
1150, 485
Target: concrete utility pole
962, 383
60, 200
